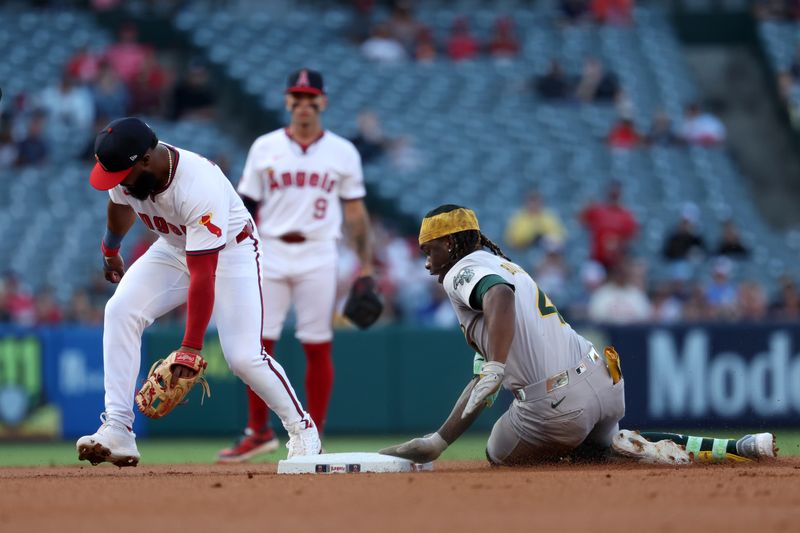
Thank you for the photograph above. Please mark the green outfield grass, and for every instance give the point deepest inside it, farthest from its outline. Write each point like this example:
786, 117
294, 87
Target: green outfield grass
203, 451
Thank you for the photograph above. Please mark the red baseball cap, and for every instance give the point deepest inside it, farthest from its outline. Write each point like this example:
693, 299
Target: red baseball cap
117, 149
305, 81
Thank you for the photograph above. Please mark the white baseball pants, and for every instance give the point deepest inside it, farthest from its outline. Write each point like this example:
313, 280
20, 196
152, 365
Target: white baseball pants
157, 283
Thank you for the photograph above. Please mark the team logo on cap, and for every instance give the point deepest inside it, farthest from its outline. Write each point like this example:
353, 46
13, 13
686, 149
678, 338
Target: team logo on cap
205, 220
302, 79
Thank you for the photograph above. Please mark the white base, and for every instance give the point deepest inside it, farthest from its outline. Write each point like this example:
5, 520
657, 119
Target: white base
353, 462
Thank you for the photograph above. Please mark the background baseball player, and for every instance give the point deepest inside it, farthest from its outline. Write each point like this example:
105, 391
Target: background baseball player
208, 255
303, 181
568, 397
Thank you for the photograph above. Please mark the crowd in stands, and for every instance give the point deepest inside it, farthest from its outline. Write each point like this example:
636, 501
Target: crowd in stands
403, 38
699, 285
788, 78
127, 78
789, 89
613, 285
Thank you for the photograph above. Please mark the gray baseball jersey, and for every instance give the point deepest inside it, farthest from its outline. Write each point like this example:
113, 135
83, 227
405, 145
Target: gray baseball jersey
543, 344
572, 400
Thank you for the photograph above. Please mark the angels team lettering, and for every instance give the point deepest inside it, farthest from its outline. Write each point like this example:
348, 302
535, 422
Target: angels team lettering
160, 225
300, 179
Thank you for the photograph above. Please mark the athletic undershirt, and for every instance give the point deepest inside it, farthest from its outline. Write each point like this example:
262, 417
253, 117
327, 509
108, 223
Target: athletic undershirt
200, 301
483, 286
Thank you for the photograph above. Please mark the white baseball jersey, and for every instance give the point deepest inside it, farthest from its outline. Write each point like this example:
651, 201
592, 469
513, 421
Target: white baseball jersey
299, 187
543, 344
197, 211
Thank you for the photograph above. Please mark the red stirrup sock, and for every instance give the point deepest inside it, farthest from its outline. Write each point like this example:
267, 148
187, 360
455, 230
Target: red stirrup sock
258, 413
319, 380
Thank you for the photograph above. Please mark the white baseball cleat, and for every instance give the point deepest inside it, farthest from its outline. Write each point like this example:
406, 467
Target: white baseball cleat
112, 443
632, 444
757, 446
303, 439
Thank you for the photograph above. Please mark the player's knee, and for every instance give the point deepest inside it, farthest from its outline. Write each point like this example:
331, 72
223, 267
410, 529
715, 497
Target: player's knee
241, 365
117, 311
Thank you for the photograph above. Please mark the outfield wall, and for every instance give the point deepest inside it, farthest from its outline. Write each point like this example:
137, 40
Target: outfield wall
401, 380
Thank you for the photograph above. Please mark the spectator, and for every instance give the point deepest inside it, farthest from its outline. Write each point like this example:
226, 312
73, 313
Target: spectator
381, 47
33, 149
623, 135
666, 306
730, 243
84, 67
751, 303
461, 45
551, 273
110, 95
127, 55
47, 310
789, 89
369, 140
147, 88
701, 128
661, 132
611, 227
592, 275
529, 225
503, 44
697, 308
80, 310
596, 84
403, 27
193, 97
438, 312
361, 21
619, 301
617, 12
426, 47
721, 292
18, 302
786, 305
8, 148
68, 105
554, 85
573, 11
684, 242
403, 154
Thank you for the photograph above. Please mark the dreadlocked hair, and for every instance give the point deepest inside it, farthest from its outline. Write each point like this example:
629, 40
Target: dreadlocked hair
466, 242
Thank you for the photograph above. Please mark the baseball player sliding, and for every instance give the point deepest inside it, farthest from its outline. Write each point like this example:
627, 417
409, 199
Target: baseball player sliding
569, 398
300, 183
208, 255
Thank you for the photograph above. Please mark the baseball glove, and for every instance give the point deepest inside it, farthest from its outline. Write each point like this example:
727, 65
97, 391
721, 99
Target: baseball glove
157, 397
364, 305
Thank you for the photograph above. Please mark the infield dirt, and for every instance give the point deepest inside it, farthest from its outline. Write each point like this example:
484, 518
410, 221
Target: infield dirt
457, 497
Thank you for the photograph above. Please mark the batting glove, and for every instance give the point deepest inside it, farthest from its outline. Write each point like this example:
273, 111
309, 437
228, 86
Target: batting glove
491, 378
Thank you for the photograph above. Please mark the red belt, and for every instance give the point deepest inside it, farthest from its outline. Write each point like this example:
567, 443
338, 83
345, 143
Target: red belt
293, 237
246, 232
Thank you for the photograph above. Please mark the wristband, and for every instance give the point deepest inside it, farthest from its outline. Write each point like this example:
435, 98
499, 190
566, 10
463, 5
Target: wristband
110, 244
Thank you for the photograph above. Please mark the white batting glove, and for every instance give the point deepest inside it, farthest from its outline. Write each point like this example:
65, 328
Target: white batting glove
491, 378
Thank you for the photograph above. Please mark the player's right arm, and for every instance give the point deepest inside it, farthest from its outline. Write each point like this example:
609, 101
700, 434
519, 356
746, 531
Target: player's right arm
120, 220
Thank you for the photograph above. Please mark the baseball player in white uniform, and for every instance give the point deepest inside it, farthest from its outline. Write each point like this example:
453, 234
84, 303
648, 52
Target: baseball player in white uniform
568, 398
208, 255
301, 183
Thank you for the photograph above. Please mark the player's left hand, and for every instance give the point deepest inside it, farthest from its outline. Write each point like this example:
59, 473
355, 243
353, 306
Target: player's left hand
180, 371
491, 378
420, 450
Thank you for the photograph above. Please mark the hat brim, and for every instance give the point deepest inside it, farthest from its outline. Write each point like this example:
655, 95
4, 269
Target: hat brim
304, 90
103, 180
